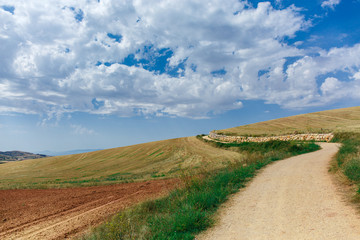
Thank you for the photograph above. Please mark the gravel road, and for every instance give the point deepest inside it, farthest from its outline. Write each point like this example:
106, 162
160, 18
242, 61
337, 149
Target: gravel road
290, 199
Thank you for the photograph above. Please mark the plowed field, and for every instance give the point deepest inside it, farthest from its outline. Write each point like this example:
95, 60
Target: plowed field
62, 213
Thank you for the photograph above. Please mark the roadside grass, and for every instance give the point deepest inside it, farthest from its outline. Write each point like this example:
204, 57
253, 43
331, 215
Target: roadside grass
348, 157
189, 209
261, 147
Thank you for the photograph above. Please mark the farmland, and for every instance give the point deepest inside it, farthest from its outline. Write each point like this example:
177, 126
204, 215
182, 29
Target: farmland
338, 120
161, 159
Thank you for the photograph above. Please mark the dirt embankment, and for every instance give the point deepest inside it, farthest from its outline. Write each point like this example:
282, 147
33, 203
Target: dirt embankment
290, 199
62, 213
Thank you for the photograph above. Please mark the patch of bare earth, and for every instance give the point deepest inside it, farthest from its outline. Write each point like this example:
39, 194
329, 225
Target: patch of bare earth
290, 199
63, 213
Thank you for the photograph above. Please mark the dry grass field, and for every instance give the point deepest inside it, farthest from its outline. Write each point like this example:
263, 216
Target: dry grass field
161, 159
132, 163
338, 120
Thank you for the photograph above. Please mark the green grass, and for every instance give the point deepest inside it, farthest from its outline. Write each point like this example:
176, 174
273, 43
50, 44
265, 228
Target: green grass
262, 147
189, 210
352, 169
348, 157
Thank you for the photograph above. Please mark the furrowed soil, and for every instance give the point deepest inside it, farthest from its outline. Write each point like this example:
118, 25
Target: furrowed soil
64, 213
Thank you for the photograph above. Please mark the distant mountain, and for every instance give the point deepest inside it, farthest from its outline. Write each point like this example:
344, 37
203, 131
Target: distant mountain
18, 156
70, 152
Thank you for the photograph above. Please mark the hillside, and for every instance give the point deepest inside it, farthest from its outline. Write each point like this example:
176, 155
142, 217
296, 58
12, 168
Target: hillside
161, 159
137, 162
18, 156
338, 120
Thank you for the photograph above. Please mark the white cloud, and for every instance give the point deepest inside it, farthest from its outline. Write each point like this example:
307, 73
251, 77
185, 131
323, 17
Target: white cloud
302, 77
330, 85
330, 3
55, 60
356, 76
81, 130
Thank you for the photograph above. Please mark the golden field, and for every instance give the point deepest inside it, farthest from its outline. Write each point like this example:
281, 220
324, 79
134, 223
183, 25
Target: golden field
161, 159
165, 158
338, 120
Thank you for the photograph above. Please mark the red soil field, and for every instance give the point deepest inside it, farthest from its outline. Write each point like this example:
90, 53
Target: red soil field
64, 213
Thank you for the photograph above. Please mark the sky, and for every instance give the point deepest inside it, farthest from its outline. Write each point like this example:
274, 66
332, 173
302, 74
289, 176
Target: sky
96, 74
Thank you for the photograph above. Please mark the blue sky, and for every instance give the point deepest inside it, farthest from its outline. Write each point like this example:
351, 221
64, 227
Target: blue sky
101, 74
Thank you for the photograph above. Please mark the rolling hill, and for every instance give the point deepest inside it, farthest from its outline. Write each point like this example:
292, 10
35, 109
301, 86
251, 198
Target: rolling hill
137, 162
161, 159
337, 120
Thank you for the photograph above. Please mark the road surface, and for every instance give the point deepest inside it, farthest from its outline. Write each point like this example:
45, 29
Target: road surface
290, 199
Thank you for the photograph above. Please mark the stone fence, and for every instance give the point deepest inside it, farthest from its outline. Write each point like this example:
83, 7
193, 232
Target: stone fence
317, 137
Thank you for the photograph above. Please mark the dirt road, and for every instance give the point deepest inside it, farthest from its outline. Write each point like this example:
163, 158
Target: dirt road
62, 213
290, 199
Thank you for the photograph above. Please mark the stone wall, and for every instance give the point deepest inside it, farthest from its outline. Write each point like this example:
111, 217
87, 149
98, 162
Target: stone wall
318, 137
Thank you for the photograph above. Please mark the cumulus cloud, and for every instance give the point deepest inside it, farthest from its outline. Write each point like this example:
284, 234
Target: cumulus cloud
330, 86
330, 3
306, 74
173, 58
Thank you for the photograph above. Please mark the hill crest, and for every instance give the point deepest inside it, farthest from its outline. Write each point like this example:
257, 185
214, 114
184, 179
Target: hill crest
337, 120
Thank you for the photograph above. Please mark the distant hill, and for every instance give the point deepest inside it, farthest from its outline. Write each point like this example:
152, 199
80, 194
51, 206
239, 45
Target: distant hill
10, 156
70, 152
337, 120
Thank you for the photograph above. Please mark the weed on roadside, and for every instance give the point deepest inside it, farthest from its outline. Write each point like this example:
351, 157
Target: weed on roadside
348, 156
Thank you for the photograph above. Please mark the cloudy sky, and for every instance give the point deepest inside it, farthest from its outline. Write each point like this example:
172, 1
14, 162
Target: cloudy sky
102, 73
